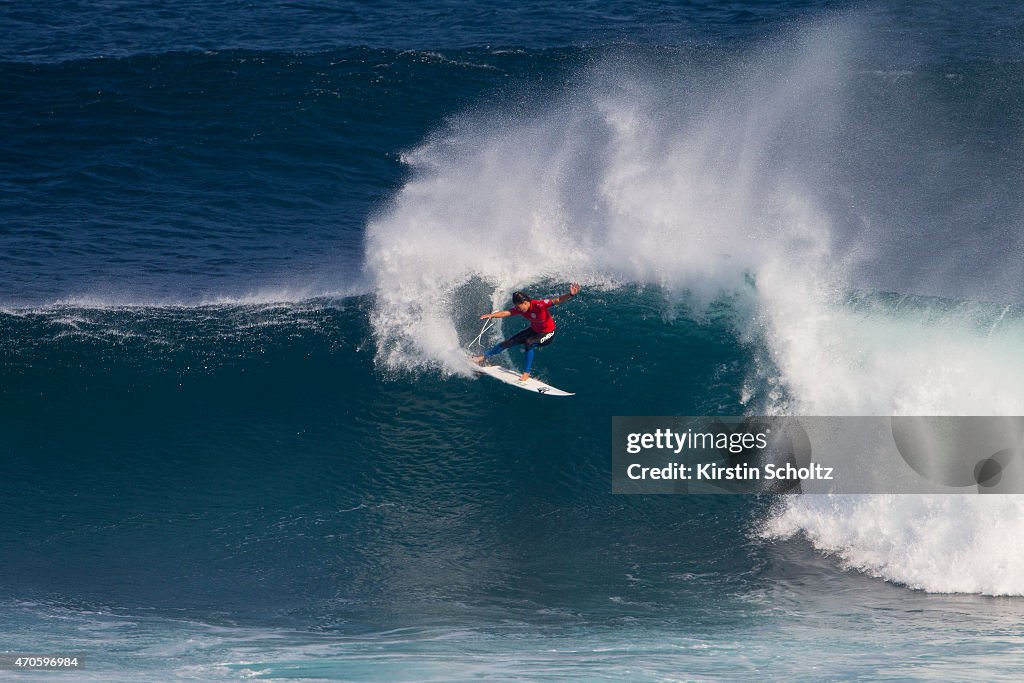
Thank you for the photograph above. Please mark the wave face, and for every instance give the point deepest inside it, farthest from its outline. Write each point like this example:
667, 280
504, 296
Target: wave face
247, 466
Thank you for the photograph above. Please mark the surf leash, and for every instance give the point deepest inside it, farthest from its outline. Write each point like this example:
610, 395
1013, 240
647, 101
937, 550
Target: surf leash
488, 324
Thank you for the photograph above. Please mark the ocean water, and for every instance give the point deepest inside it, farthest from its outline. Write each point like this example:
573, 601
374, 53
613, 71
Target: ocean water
243, 246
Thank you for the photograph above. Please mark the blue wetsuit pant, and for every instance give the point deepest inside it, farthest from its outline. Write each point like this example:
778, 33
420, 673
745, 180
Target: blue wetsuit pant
529, 339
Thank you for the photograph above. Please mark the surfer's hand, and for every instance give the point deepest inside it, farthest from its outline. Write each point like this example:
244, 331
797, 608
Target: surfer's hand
574, 288
485, 316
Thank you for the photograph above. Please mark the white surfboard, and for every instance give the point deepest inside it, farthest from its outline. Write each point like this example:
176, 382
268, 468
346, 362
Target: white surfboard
503, 374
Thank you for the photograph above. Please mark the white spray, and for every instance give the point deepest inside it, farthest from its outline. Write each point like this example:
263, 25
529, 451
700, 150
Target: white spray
644, 173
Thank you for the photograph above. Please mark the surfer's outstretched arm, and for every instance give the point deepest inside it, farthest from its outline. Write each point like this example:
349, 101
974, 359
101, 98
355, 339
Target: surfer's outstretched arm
496, 314
574, 289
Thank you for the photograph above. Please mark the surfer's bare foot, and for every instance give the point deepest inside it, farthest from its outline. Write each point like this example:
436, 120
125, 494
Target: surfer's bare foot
525, 376
479, 360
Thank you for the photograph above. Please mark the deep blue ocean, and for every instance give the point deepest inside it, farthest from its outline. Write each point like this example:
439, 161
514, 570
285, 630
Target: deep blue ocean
244, 246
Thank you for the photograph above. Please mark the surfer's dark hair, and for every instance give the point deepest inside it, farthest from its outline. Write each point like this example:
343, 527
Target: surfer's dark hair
520, 297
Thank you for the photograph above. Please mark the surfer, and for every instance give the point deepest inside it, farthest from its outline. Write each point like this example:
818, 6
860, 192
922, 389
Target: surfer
541, 331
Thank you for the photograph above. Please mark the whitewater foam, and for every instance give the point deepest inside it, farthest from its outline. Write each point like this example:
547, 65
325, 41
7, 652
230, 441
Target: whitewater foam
941, 544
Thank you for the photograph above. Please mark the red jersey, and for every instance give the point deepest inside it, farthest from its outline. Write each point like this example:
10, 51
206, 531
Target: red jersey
538, 315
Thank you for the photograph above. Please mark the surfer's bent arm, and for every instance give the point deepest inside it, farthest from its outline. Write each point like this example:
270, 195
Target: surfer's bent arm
496, 314
574, 289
